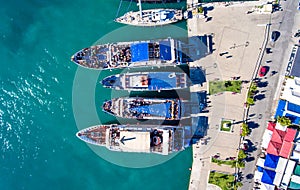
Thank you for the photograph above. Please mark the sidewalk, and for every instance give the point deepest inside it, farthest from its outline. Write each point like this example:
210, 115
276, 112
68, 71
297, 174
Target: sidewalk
242, 46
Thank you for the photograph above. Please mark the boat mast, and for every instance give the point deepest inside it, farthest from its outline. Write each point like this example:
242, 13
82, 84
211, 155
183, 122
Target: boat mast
140, 7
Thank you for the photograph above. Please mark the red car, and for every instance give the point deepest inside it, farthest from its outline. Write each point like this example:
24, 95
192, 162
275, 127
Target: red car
262, 71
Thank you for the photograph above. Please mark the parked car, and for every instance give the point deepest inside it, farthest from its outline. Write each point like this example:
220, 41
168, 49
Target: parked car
262, 71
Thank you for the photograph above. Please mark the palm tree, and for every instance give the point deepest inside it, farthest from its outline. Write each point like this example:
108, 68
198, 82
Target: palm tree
284, 121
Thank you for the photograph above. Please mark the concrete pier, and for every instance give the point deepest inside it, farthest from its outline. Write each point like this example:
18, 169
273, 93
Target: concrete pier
238, 36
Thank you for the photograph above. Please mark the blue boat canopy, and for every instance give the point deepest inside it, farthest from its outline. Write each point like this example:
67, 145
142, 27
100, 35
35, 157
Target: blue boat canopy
161, 81
139, 52
165, 50
162, 109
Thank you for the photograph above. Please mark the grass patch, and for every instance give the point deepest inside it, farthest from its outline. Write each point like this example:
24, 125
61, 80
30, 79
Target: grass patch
216, 87
225, 181
226, 162
229, 124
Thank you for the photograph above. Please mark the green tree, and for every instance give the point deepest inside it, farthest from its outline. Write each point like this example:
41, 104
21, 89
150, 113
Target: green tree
200, 9
242, 155
250, 101
240, 164
253, 87
245, 129
284, 121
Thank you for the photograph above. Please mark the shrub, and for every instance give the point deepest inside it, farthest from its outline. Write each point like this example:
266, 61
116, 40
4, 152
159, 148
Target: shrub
284, 121
245, 130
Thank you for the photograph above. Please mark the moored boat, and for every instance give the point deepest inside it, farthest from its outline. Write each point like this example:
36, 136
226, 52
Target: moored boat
146, 108
150, 17
160, 139
163, 52
146, 81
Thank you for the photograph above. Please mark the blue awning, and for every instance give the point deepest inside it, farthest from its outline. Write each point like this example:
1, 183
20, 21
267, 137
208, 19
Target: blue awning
280, 108
165, 50
162, 110
293, 107
271, 161
139, 52
296, 66
268, 177
294, 119
161, 80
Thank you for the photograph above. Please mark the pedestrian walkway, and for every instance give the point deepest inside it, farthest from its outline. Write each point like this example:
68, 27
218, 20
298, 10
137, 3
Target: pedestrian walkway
240, 45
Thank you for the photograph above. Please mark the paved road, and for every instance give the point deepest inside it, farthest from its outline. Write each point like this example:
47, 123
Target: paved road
261, 112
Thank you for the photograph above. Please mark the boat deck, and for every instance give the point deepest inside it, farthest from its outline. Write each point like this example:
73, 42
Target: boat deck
129, 54
151, 17
138, 138
139, 108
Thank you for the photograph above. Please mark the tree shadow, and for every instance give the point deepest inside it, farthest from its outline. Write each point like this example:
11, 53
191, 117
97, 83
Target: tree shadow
250, 159
252, 115
251, 146
252, 125
238, 122
262, 84
208, 19
259, 97
207, 9
249, 176
275, 35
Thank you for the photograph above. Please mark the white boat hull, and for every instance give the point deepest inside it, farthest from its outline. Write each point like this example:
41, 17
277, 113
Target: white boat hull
151, 17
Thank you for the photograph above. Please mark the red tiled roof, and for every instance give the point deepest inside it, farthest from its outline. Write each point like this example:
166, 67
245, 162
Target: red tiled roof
271, 126
290, 135
286, 149
278, 136
274, 148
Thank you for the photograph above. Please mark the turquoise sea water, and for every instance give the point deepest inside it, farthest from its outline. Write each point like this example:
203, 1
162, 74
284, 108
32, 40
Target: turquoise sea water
39, 149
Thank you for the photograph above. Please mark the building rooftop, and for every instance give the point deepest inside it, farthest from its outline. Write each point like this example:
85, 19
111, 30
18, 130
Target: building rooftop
291, 90
296, 65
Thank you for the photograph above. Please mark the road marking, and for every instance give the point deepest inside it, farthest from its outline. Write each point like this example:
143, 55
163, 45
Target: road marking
261, 25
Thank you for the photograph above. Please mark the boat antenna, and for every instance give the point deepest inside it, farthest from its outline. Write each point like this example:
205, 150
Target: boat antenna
129, 5
119, 8
140, 7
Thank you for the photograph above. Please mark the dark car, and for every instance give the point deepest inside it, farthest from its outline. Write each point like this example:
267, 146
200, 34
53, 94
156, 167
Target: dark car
262, 71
